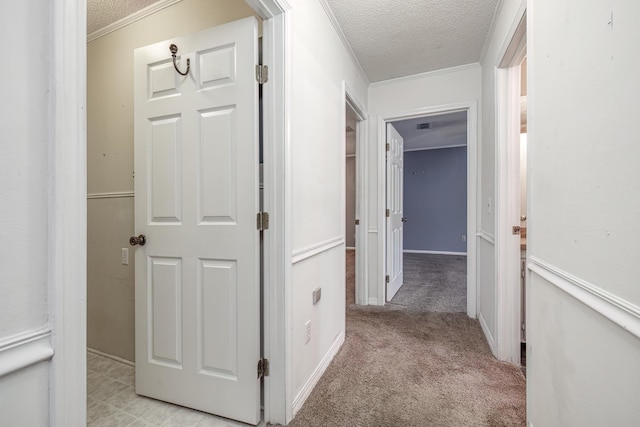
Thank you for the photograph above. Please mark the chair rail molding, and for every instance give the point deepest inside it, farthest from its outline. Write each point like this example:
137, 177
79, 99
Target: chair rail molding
619, 311
24, 350
318, 248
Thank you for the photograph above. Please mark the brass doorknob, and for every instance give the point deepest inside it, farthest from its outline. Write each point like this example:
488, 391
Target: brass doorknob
140, 240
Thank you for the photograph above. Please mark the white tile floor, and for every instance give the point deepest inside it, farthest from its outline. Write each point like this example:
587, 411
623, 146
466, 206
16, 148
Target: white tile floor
112, 401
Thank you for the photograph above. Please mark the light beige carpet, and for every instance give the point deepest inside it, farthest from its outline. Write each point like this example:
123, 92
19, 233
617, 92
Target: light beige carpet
402, 367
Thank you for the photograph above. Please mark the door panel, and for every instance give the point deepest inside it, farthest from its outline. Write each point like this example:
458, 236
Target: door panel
395, 157
166, 311
196, 184
218, 287
165, 171
216, 175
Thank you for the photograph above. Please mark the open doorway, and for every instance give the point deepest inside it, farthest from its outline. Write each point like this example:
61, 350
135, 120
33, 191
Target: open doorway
470, 108
427, 220
511, 195
350, 203
110, 166
354, 198
522, 172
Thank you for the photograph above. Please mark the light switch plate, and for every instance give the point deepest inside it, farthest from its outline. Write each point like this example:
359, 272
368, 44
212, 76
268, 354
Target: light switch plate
307, 329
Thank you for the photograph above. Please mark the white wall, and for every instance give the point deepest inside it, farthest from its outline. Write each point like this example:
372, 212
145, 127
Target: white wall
584, 211
320, 65
24, 397
110, 161
24, 167
395, 98
26, 129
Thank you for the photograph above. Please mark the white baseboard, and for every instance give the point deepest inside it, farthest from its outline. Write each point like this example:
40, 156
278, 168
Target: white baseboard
415, 251
110, 356
317, 374
487, 333
372, 301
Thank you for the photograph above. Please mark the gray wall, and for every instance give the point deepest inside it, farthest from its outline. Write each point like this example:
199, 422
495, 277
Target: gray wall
435, 199
350, 233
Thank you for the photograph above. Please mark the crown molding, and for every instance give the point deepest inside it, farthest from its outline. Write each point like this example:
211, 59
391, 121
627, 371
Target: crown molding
343, 39
121, 23
474, 65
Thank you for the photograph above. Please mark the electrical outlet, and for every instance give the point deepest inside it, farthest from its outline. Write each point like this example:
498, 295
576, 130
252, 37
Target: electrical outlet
464, 237
307, 327
125, 256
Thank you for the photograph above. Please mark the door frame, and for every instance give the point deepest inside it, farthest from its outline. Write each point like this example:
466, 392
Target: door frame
277, 309
67, 237
507, 179
68, 215
471, 107
361, 137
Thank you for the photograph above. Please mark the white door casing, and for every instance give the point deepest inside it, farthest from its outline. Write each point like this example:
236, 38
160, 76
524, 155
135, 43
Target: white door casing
395, 170
507, 160
196, 186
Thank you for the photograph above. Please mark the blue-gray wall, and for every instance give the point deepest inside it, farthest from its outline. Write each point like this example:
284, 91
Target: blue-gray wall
435, 199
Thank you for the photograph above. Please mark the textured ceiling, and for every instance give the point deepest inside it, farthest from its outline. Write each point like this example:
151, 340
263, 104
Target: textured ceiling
445, 130
101, 13
399, 38
390, 38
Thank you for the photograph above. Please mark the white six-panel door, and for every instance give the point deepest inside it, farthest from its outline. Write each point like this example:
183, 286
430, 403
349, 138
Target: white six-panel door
395, 170
196, 200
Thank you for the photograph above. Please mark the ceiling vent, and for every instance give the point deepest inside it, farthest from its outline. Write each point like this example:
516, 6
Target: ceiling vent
423, 126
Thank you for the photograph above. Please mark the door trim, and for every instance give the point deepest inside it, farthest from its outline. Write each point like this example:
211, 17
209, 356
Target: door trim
472, 190
67, 238
357, 107
277, 310
67, 214
507, 160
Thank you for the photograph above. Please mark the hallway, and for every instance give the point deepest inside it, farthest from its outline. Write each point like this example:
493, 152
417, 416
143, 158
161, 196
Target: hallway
399, 366
402, 367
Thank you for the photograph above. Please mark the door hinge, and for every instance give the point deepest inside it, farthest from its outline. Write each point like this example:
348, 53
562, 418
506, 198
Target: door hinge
262, 221
262, 74
387, 213
263, 368
386, 279
388, 147
515, 229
